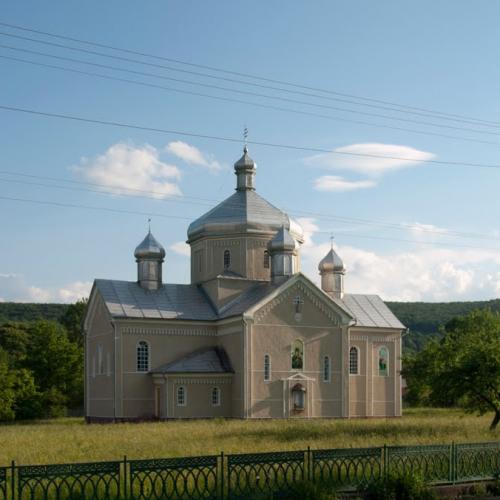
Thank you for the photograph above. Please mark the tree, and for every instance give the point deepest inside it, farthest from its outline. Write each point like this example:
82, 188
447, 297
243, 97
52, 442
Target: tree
464, 367
72, 320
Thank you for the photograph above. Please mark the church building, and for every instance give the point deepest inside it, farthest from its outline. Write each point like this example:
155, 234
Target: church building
249, 337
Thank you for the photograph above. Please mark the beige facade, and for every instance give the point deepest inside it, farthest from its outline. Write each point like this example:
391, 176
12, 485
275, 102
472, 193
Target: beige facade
250, 337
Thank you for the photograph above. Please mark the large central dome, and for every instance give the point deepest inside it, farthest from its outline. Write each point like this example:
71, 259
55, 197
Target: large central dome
245, 212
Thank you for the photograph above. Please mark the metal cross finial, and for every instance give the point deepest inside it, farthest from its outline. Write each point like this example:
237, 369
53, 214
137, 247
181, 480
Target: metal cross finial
245, 137
149, 224
331, 240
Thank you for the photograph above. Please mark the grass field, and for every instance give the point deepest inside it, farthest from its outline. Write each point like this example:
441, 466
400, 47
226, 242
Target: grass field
71, 440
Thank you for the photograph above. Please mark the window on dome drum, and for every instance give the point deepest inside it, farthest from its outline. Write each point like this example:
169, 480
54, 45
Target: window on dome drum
353, 361
267, 368
215, 396
383, 362
227, 259
142, 356
266, 259
326, 369
181, 396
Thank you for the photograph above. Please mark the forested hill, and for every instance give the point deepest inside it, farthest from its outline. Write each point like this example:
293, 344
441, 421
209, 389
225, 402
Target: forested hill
424, 319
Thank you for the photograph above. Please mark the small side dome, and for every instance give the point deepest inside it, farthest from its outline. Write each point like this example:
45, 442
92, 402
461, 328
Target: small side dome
149, 248
282, 242
245, 161
331, 263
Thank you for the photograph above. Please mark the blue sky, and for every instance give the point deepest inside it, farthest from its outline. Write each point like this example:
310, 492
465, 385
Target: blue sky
434, 55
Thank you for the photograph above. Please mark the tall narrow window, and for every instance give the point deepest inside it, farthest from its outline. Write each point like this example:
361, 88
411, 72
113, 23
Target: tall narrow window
215, 396
142, 356
108, 364
326, 369
227, 259
266, 259
297, 355
181, 396
267, 368
100, 361
383, 362
353, 361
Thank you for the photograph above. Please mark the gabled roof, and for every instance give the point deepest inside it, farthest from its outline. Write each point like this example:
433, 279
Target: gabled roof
371, 311
126, 299
210, 360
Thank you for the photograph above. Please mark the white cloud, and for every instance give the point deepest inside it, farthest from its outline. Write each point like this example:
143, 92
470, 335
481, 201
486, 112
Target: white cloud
15, 289
418, 229
125, 169
420, 274
336, 183
367, 164
192, 155
182, 248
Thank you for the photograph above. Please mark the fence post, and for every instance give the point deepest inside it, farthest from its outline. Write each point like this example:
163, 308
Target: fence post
451, 460
307, 470
13, 479
221, 477
125, 478
385, 458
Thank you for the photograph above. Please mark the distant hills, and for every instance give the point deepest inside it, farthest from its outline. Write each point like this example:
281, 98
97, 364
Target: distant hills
424, 319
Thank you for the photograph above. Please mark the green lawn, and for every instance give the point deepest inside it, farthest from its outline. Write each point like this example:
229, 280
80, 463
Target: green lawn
71, 440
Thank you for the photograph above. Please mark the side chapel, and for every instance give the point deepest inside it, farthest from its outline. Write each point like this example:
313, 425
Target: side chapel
250, 337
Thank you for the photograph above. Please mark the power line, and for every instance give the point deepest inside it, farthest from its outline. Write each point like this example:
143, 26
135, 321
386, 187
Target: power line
225, 89
150, 214
113, 190
236, 140
405, 108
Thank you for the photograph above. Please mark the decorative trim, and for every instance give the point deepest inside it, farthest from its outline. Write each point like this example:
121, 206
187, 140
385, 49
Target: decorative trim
191, 381
226, 243
373, 339
138, 330
284, 296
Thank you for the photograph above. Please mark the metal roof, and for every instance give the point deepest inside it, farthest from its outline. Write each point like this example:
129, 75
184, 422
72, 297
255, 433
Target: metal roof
331, 262
211, 360
371, 311
243, 212
126, 299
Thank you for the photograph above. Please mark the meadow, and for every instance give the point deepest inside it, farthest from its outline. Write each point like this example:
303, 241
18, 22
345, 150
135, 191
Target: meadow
72, 440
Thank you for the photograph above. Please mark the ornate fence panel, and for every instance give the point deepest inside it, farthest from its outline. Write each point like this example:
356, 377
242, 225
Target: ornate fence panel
100, 480
477, 461
263, 473
433, 463
347, 468
174, 478
3, 483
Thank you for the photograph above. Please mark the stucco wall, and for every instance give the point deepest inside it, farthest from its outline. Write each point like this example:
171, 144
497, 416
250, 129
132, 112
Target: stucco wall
99, 382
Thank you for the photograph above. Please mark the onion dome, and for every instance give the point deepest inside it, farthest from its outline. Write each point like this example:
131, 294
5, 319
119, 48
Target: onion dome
283, 241
331, 263
149, 248
245, 212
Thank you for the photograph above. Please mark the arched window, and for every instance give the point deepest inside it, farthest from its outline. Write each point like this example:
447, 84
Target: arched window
266, 259
298, 355
181, 396
267, 368
227, 259
383, 362
326, 369
142, 356
215, 396
353, 361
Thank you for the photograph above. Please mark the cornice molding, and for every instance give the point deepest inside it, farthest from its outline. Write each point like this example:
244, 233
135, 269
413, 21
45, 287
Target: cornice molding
138, 330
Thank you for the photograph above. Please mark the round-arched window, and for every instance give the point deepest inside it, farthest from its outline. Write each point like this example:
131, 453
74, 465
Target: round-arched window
227, 259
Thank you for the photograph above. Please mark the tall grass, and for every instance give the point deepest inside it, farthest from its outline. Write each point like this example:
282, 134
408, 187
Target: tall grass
71, 440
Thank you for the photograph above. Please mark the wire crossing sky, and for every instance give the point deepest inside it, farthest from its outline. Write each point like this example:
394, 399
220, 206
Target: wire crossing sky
375, 122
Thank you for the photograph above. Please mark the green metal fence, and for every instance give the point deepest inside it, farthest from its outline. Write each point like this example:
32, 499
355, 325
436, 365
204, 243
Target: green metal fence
238, 476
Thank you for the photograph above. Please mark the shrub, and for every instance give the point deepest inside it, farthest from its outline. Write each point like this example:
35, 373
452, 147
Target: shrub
405, 487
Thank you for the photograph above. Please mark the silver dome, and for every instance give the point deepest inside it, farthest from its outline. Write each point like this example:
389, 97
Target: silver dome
331, 263
282, 242
149, 248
